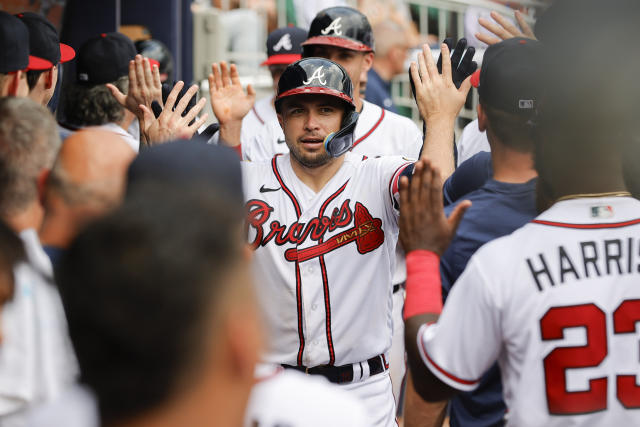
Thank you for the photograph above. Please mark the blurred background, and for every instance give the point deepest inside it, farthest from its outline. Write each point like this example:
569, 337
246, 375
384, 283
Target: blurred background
188, 35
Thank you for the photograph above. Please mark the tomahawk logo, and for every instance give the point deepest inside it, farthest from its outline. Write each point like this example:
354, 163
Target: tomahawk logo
317, 75
335, 26
284, 42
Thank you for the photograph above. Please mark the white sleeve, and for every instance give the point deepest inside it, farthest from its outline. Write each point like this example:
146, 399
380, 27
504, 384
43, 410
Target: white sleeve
467, 338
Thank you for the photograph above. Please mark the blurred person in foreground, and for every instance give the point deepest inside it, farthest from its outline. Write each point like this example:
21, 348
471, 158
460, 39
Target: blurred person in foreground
36, 360
391, 54
15, 57
11, 253
86, 181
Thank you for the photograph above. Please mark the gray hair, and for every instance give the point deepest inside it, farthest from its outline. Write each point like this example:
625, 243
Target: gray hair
29, 143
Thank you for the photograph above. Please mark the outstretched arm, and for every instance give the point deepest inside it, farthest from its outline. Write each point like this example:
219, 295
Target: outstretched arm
439, 102
425, 233
230, 103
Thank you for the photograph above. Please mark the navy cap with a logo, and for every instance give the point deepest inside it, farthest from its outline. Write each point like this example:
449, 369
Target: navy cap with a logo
43, 39
509, 77
284, 46
104, 59
14, 47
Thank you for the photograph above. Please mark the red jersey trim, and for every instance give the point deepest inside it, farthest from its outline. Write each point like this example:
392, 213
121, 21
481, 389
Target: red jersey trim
325, 281
253, 108
289, 193
442, 371
374, 127
587, 226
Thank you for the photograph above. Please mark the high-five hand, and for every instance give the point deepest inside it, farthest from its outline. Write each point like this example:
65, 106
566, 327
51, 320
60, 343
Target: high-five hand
504, 29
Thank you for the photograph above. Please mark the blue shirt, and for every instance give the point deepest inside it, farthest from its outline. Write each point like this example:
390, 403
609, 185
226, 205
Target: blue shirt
379, 91
497, 209
469, 176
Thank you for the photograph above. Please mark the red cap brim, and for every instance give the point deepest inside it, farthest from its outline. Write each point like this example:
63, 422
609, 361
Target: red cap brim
339, 42
67, 53
38, 64
475, 79
153, 62
284, 59
316, 90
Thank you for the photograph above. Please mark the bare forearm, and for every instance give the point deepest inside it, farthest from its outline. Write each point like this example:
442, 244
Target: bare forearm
418, 413
438, 145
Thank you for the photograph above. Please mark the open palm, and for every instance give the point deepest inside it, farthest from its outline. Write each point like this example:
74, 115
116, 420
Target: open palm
229, 101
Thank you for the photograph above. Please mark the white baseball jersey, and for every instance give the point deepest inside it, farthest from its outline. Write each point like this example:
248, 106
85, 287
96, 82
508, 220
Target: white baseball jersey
290, 398
471, 142
379, 132
261, 113
557, 304
323, 261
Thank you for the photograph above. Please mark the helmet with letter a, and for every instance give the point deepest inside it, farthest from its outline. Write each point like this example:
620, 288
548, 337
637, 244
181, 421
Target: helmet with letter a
342, 27
319, 76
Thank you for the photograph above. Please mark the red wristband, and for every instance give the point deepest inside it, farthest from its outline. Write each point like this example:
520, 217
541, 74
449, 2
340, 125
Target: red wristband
424, 286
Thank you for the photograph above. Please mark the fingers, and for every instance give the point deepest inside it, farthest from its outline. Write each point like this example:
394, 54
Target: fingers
415, 77
485, 38
506, 24
494, 28
466, 64
465, 87
225, 76
195, 110
524, 26
251, 92
403, 189
119, 96
423, 74
133, 78
217, 76
139, 70
235, 77
436, 203
432, 70
446, 63
148, 115
457, 214
456, 56
148, 75
198, 124
186, 98
173, 95
415, 186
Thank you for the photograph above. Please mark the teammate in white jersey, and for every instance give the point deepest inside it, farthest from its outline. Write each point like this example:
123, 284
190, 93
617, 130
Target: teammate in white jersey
323, 224
557, 302
283, 48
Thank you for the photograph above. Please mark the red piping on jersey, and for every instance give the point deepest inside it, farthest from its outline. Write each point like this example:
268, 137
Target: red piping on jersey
325, 280
447, 374
274, 166
253, 108
393, 182
587, 226
366, 135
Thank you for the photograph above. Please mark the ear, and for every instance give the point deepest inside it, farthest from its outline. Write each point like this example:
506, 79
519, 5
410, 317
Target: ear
482, 119
49, 79
42, 179
14, 83
368, 61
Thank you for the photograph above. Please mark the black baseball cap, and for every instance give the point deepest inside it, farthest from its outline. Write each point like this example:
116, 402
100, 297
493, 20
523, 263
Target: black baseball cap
14, 47
188, 163
104, 58
284, 46
509, 77
43, 39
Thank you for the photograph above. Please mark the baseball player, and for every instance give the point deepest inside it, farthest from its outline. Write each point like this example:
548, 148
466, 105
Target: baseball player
323, 224
283, 48
344, 35
556, 303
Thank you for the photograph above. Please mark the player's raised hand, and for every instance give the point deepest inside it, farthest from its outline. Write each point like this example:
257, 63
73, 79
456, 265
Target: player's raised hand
144, 86
229, 101
436, 94
504, 29
423, 224
171, 124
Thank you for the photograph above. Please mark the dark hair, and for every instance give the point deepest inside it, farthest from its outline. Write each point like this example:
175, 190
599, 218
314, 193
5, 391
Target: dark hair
86, 105
513, 130
137, 287
33, 76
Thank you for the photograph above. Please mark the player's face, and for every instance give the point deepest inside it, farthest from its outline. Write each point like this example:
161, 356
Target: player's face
306, 120
354, 62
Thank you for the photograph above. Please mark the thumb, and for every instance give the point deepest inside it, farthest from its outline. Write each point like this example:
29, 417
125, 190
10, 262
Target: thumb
465, 87
119, 96
251, 92
148, 116
457, 214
